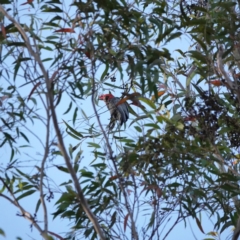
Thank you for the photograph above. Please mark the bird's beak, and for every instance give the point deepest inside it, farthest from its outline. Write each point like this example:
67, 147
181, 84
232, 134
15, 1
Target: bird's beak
101, 97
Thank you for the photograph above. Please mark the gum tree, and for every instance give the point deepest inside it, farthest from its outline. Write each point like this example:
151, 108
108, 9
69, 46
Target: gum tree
178, 155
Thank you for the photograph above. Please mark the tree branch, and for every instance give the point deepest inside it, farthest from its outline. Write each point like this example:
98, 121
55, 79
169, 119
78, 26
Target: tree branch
134, 230
25, 214
42, 173
63, 150
221, 68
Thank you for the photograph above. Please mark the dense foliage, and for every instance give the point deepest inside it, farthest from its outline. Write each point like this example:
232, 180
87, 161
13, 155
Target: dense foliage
176, 63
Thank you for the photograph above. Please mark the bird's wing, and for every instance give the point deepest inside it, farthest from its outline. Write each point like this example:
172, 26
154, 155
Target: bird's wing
122, 110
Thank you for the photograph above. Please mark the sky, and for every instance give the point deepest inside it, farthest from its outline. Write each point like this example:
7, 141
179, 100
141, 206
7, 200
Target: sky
14, 225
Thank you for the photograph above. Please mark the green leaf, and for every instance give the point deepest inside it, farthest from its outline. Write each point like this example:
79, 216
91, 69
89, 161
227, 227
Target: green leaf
201, 43
17, 66
152, 125
138, 128
227, 5
132, 111
76, 167
95, 145
157, 22
173, 36
69, 108
161, 35
113, 86
5, 1
2, 233
38, 205
148, 102
54, 9
75, 115
11, 157
24, 136
76, 133
16, 44
84, 115
139, 118
105, 72
47, 59
9, 137
87, 174
50, 238
199, 56
225, 226
61, 168
3, 142
189, 79
28, 193
5, 123
199, 225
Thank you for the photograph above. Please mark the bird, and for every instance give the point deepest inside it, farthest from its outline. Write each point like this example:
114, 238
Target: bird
118, 112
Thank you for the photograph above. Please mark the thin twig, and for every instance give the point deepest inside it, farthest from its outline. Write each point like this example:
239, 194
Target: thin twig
221, 68
42, 173
192, 229
191, 71
171, 228
174, 78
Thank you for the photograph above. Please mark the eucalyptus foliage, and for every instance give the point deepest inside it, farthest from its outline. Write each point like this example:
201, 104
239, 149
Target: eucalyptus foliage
177, 158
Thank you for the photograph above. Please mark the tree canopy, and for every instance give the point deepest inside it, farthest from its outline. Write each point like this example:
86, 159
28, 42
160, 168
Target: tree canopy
176, 64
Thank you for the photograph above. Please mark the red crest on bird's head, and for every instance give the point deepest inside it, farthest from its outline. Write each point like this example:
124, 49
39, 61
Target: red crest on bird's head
105, 97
